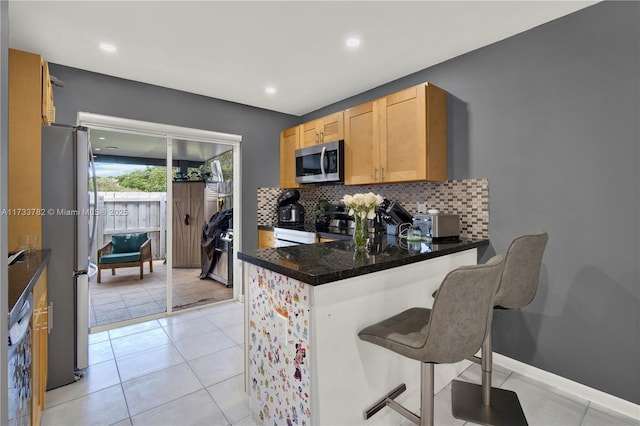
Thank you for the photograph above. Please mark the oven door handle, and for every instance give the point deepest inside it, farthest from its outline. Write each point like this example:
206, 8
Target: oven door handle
322, 156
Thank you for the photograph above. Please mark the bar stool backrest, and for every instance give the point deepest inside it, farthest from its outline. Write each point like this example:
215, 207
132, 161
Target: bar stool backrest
462, 312
521, 271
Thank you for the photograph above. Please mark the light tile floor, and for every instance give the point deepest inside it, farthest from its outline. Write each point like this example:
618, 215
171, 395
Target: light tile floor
186, 369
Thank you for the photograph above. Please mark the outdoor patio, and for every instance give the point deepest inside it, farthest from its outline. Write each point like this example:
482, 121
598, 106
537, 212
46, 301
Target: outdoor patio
125, 296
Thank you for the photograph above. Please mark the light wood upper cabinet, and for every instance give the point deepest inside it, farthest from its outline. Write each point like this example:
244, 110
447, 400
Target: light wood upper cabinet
406, 133
30, 96
325, 129
289, 142
362, 136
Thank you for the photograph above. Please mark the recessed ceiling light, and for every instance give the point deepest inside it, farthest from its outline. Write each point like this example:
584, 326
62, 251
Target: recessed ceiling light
111, 147
353, 42
96, 149
102, 138
107, 47
270, 90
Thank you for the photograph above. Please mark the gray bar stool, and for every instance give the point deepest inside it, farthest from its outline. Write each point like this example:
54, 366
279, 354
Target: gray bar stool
482, 403
452, 330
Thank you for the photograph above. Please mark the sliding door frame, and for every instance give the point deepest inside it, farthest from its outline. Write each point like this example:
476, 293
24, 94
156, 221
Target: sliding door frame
171, 135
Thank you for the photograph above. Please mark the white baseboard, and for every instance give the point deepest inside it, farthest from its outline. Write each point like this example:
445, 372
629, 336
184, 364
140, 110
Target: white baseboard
603, 399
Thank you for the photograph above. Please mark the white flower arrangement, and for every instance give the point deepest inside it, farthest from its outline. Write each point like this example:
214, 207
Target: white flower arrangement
363, 205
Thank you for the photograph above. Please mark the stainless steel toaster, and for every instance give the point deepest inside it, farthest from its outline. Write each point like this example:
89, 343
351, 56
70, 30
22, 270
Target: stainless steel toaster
438, 226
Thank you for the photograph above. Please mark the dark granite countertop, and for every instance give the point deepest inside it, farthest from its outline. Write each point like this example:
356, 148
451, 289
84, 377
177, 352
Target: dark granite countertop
322, 263
23, 276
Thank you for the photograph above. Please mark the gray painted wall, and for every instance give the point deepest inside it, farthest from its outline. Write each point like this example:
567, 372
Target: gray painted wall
550, 116
260, 129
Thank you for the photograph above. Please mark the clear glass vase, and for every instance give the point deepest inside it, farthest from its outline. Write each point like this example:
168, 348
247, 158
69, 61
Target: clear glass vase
360, 232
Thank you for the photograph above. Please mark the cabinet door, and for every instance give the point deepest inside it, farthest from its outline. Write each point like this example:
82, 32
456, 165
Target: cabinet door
331, 127
325, 129
361, 129
196, 221
289, 142
188, 218
25, 148
266, 238
181, 232
309, 134
403, 150
413, 135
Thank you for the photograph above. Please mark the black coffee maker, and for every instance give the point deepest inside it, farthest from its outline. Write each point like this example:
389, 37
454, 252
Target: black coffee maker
393, 214
290, 212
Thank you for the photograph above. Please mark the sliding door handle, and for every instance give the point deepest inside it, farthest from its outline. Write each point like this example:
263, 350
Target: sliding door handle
186, 219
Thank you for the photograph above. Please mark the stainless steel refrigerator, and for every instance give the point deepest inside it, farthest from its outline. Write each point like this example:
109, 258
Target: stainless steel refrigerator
67, 228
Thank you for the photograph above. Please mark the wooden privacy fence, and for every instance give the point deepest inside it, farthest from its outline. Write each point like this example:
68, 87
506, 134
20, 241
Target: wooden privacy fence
127, 212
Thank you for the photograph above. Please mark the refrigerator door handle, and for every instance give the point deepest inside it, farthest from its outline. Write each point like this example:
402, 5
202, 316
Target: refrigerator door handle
94, 216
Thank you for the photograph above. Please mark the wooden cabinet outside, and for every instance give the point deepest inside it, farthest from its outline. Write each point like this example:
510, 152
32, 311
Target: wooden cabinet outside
39, 347
266, 239
30, 96
188, 219
289, 142
399, 138
325, 129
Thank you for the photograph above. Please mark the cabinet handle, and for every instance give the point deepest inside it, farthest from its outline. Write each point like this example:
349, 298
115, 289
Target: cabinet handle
316, 138
382, 173
50, 317
321, 136
375, 170
45, 312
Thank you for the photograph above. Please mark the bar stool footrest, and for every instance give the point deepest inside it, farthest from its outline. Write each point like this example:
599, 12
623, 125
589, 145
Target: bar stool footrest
505, 408
382, 402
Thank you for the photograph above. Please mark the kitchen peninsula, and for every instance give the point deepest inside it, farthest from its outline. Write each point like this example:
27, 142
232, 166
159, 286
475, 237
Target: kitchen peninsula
306, 304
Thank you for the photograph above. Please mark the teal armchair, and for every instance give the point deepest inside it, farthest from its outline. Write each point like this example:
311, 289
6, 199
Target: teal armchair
125, 251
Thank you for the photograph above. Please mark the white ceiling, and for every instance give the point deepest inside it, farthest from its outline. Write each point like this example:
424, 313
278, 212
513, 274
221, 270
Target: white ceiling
233, 50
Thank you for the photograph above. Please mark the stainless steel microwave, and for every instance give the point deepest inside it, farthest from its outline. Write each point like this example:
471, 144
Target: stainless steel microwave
320, 163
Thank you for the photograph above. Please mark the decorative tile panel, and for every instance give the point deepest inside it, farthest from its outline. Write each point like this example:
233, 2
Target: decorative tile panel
467, 197
279, 369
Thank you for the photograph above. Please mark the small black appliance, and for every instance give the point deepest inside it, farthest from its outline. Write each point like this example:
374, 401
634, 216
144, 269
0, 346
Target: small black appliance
290, 212
393, 213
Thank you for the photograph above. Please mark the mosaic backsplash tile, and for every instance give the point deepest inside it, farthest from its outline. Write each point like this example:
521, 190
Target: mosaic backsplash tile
467, 197
281, 386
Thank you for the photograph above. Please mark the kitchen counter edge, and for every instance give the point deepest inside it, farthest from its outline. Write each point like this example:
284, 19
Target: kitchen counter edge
23, 277
255, 258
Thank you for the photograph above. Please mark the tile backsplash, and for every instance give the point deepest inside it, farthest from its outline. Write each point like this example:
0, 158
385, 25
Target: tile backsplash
467, 197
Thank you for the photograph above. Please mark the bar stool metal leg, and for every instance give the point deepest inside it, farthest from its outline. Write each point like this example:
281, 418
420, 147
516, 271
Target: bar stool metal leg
487, 369
484, 404
427, 404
